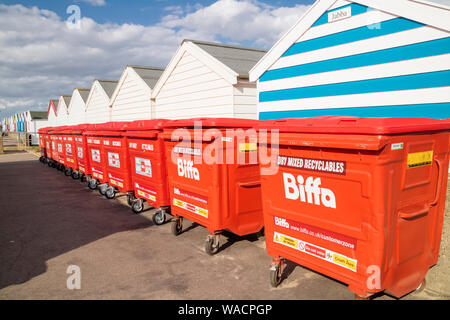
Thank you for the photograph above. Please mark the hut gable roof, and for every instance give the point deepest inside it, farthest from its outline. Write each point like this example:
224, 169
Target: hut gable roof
229, 61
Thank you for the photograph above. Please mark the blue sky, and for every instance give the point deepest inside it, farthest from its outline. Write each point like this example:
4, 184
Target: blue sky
43, 56
136, 11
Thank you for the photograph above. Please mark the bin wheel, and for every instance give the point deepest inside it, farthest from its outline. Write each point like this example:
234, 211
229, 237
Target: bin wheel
177, 226
275, 275
110, 193
137, 206
41, 159
92, 184
159, 217
130, 199
75, 175
421, 286
82, 177
212, 244
102, 189
45, 161
53, 164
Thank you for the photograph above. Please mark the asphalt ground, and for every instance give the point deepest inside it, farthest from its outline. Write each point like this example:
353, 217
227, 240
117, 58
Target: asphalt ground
49, 222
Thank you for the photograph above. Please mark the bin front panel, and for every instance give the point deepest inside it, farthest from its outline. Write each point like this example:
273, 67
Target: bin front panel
346, 212
116, 155
70, 151
213, 182
148, 169
48, 145
54, 146
81, 153
61, 149
194, 188
42, 146
244, 198
97, 159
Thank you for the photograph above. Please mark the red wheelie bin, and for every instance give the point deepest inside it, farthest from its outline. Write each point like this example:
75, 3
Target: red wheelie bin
60, 148
147, 160
81, 151
114, 151
97, 159
360, 200
48, 147
71, 163
214, 176
53, 138
42, 146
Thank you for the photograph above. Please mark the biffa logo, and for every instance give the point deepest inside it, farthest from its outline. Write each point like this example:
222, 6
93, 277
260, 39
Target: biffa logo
308, 191
186, 169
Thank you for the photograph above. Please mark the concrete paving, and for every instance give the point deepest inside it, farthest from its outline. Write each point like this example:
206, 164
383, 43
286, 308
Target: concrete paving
49, 222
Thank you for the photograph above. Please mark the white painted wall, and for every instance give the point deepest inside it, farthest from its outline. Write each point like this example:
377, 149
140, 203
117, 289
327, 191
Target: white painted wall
132, 101
97, 106
51, 118
245, 100
62, 117
35, 125
194, 89
76, 109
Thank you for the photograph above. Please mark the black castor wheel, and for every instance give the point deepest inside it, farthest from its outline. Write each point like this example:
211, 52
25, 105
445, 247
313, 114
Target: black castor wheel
212, 244
110, 192
159, 217
92, 184
275, 275
137, 206
177, 226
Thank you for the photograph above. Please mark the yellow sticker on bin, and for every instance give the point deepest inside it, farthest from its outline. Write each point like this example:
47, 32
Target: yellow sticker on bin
419, 159
247, 147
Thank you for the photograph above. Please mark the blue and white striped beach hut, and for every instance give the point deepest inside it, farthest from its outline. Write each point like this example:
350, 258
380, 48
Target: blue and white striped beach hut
367, 58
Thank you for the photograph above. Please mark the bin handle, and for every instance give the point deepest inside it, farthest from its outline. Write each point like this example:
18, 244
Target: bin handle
423, 211
250, 184
439, 182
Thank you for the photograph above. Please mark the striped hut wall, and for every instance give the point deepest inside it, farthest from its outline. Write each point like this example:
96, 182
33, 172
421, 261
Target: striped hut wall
370, 64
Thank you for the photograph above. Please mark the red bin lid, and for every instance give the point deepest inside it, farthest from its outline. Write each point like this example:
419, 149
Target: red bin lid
105, 129
356, 125
110, 126
213, 123
59, 129
142, 125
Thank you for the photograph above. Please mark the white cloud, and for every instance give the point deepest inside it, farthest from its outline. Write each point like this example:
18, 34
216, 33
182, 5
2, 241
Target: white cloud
175, 10
96, 3
42, 58
249, 21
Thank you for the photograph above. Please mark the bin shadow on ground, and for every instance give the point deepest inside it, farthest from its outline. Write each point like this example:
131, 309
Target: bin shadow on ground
37, 223
232, 238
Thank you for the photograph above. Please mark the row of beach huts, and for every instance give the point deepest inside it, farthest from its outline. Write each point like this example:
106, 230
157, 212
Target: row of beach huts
359, 58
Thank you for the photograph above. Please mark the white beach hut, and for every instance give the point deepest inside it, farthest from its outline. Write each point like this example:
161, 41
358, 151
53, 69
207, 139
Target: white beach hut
97, 105
206, 79
51, 113
62, 116
131, 97
77, 107
35, 120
